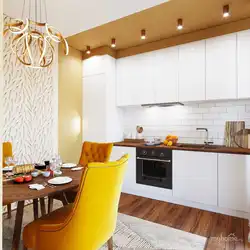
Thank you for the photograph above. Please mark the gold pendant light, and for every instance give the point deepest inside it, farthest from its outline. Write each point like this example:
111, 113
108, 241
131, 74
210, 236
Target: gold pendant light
33, 40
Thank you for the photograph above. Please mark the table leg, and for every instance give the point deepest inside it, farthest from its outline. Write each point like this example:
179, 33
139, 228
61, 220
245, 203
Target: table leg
9, 210
64, 199
18, 225
50, 204
35, 208
42, 205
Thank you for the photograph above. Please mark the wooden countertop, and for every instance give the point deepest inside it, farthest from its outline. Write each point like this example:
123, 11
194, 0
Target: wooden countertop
190, 147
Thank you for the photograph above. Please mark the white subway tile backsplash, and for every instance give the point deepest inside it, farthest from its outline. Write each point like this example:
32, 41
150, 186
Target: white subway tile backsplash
218, 110
183, 121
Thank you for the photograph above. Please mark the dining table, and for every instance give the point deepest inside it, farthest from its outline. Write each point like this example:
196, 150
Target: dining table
13, 192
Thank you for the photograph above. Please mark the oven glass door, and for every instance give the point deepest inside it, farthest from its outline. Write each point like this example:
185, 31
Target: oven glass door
154, 169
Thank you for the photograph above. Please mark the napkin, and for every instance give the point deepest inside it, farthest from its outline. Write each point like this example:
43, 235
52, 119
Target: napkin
36, 186
78, 168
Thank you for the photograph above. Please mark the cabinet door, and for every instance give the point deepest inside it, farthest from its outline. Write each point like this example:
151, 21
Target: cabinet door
243, 64
234, 181
134, 80
165, 74
192, 71
195, 176
221, 82
129, 182
94, 108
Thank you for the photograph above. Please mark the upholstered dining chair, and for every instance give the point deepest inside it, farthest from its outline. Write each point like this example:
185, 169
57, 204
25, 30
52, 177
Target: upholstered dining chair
87, 223
91, 152
7, 152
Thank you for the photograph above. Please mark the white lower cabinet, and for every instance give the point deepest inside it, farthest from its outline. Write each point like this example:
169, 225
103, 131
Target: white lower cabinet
234, 182
129, 182
195, 176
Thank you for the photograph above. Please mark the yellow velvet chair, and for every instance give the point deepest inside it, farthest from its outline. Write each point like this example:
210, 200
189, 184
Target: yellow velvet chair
87, 223
91, 152
7, 152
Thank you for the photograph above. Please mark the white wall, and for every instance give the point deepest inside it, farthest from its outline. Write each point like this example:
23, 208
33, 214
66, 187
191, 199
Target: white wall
183, 121
30, 107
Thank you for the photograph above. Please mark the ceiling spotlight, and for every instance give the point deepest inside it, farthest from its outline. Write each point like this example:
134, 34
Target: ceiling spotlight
226, 11
113, 43
143, 34
179, 24
88, 51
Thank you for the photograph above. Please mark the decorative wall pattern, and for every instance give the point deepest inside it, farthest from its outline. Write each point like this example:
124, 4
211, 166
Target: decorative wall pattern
30, 107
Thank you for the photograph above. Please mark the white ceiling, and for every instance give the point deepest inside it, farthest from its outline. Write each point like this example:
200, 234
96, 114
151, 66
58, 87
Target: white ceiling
74, 16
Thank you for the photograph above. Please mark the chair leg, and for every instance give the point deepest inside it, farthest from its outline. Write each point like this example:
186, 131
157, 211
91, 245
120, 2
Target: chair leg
110, 244
25, 248
9, 210
35, 208
50, 204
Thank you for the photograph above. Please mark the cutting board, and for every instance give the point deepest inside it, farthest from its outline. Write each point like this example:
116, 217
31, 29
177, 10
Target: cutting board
236, 134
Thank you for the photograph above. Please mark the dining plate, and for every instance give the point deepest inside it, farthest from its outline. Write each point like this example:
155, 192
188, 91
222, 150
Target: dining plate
68, 165
7, 169
60, 180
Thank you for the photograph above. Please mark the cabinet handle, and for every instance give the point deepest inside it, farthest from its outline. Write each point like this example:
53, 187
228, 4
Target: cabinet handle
150, 159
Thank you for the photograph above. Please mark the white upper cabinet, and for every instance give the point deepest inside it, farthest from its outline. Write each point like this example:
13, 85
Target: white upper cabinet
192, 71
234, 181
221, 82
243, 64
134, 80
165, 74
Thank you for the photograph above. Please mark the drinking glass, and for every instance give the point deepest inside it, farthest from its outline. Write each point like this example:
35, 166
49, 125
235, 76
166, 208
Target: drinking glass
8, 161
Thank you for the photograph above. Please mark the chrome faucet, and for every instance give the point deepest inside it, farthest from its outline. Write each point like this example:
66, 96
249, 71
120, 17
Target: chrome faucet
206, 142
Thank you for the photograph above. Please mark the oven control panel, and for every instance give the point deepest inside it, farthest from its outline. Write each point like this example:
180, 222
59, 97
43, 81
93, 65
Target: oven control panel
154, 152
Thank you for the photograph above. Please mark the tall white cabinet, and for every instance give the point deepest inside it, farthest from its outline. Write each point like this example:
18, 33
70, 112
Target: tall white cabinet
192, 78
101, 116
243, 64
221, 80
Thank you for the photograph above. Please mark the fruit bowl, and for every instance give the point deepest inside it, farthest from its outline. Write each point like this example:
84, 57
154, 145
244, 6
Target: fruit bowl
171, 140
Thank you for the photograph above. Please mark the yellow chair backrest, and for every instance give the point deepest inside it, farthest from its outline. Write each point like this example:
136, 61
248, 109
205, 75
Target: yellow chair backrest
93, 218
95, 152
7, 151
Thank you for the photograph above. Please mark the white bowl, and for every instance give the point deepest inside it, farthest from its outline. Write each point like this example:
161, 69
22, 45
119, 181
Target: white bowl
46, 173
35, 174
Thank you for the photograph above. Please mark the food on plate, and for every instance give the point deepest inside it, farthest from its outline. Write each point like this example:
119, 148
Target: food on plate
22, 169
19, 179
27, 178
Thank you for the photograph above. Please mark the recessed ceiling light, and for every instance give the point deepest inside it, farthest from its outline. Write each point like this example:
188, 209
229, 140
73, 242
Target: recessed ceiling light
179, 24
143, 34
88, 51
226, 11
113, 43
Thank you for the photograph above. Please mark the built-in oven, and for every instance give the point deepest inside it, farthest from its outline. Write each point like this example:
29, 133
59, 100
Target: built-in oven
154, 167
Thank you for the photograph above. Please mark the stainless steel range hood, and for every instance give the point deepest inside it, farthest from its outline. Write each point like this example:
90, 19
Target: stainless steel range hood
167, 104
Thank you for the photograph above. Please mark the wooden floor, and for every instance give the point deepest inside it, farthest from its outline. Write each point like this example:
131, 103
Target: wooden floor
188, 219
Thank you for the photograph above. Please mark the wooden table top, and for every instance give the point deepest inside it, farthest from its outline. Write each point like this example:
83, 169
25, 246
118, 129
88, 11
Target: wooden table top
13, 192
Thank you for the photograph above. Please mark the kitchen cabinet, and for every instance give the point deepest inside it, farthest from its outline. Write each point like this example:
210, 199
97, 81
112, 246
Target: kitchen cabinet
165, 75
195, 176
243, 63
135, 80
129, 182
221, 80
94, 108
192, 77
101, 116
234, 181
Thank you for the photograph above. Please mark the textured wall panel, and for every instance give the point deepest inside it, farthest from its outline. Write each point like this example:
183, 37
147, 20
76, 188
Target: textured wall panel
29, 106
